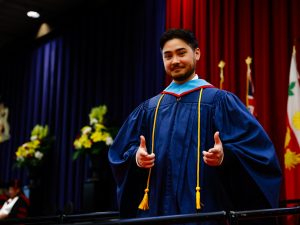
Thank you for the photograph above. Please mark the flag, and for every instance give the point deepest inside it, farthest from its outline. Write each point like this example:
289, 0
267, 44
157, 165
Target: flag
221, 66
292, 137
250, 101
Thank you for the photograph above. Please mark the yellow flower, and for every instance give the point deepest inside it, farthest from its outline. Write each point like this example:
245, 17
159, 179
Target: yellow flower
95, 137
97, 113
31, 153
77, 144
28, 149
99, 127
35, 144
20, 152
85, 141
39, 132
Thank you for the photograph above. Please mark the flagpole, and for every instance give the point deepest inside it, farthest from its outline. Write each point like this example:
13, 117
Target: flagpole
221, 65
248, 62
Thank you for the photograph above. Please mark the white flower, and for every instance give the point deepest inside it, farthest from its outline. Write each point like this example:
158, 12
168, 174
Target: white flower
109, 141
34, 137
86, 130
38, 155
93, 121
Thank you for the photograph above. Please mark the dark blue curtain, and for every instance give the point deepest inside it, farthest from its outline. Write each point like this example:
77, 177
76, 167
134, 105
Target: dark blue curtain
111, 57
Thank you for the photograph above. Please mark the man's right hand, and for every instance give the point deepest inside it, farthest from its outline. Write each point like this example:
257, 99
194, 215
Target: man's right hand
143, 158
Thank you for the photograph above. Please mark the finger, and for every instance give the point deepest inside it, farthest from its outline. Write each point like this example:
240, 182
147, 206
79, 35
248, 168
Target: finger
211, 162
148, 166
212, 159
150, 156
148, 162
205, 153
209, 154
142, 142
217, 138
214, 151
144, 155
207, 160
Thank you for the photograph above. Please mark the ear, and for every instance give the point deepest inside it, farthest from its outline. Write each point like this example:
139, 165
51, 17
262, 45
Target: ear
197, 53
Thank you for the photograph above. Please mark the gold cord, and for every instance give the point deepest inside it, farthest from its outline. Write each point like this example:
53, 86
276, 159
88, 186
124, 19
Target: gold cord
198, 203
144, 205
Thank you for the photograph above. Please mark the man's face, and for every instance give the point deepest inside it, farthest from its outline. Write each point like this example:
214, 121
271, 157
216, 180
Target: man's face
180, 60
13, 192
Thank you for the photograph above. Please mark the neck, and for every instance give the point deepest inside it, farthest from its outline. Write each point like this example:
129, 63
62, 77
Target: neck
191, 77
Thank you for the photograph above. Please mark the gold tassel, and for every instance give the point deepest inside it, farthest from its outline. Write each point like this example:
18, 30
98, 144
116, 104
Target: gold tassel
144, 203
198, 204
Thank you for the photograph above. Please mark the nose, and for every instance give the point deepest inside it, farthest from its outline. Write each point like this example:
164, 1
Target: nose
175, 60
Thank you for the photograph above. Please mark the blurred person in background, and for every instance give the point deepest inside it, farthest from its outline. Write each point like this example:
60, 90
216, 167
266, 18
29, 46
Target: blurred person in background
17, 205
3, 194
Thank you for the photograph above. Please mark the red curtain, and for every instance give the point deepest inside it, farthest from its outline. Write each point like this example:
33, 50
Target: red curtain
232, 30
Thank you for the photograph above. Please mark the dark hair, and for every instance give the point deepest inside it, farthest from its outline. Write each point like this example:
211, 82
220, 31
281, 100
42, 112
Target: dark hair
15, 183
185, 35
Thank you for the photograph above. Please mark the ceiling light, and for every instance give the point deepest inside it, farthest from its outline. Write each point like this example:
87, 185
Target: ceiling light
33, 14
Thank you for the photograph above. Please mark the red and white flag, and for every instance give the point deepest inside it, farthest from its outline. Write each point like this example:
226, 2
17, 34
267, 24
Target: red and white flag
292, 138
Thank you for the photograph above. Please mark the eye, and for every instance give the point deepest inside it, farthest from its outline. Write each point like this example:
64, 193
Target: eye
181, 53
167, 56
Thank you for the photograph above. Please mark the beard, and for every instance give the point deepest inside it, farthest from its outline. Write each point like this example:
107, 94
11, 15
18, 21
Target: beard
183, 76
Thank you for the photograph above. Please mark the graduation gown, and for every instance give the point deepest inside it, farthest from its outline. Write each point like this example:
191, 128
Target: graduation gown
20, 208
249, 177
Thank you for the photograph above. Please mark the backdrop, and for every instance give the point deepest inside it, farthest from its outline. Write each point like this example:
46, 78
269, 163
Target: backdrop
111, 57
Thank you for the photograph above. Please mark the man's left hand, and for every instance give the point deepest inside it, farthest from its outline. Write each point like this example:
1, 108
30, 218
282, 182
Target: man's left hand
215, 155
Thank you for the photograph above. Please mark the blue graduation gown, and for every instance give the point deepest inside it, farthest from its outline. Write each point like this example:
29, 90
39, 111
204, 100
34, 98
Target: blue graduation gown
249, 177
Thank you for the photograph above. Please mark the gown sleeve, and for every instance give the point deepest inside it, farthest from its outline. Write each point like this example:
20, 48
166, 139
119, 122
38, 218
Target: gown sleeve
255, 168
122, 161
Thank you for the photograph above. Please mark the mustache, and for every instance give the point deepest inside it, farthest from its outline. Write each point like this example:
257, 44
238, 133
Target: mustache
177, 66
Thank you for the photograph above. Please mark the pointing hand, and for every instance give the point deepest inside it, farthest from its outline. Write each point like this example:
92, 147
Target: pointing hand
215, 155
143, 158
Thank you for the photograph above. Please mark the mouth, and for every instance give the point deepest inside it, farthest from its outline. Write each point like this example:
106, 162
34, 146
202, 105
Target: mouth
176, 69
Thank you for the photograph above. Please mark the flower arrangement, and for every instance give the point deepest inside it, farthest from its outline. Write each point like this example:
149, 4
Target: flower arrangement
32, 153
94, 137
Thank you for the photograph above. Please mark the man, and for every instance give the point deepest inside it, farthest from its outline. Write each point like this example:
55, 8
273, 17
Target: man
17, 205
192, 148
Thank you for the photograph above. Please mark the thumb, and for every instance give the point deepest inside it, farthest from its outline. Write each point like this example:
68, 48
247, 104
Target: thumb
142, 142
217, 138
